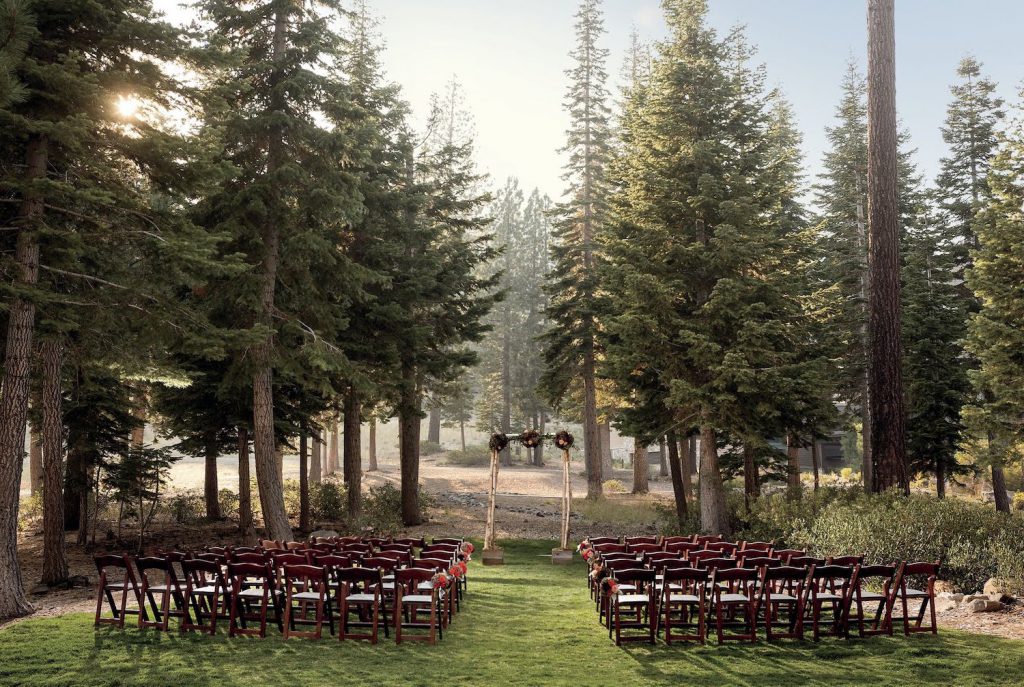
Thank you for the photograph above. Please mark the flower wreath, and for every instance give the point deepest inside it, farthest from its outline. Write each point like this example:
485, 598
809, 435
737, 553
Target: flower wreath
609, 586
467, 550
530, 438
440, 580
583, 545
589, 555
458, 570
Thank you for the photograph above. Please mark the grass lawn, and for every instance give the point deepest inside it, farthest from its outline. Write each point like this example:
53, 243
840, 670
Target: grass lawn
527, 623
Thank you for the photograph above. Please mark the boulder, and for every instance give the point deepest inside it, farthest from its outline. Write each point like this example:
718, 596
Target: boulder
998, 589
323, 533
951, 596
984, 606
944, 604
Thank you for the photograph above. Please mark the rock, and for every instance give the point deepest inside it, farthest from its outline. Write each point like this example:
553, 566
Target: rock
39, 589
952, 596
997, 589
974, 597
78, 581
944, 604
984, 606
944, 587
323, 533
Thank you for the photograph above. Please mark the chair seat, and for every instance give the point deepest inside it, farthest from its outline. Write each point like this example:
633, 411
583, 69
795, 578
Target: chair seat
733, 598
306, 596
256, 592
114, 585
872, 596
829, 596
210, 589
916, 594
625, 599
361, 598
416, 598
781, 597
159, 588
684, 598
672, 586
627, 587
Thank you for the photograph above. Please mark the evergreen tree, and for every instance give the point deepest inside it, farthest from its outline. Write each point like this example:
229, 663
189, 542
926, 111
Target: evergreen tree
571, 346
995, 335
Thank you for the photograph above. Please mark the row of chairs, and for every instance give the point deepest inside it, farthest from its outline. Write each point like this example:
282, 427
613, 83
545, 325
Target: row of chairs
292, 586
781, 590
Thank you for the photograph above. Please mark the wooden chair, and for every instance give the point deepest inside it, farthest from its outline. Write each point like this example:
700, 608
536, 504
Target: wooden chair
649, 559
765, 547
683, 593
830, 586
206, 594
642, 539
928, 573
360, 592
457, 541
676, 540
167, 587
243, 595
878, 576
610, 548
807, 562
786, 555
122, 582
306, 585
695, 557
598, 541
604, 608
724, 548
732, 592
782, 589
682, 547
415, 542
641, 600
704, 539
411, 602
641, 548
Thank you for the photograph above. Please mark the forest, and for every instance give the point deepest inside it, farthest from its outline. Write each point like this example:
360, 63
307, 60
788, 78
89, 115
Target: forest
236, 232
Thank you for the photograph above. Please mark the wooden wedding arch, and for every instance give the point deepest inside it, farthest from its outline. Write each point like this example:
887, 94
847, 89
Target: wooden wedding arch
492, 555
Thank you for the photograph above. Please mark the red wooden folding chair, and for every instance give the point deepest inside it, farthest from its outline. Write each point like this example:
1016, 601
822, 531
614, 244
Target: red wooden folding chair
683, 595
641, 601
167, 586
253, 583
305, 585
781, 600
732, 593
829, 590
116, 577
411, 602
206, 595
787, 555
642, 539
360, 594
876, 584
926, 573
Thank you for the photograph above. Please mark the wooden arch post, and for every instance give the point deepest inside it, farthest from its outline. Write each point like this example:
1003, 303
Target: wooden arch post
492, 555
563, 554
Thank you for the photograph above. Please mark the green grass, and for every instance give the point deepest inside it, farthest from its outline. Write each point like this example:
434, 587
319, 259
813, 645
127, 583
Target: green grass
527, 623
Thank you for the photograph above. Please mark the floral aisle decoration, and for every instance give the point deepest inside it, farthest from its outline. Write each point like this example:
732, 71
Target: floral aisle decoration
610, 587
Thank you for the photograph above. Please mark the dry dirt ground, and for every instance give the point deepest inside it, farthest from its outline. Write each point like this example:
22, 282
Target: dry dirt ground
528, 506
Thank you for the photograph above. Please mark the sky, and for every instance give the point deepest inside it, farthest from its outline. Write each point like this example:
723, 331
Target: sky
511, 57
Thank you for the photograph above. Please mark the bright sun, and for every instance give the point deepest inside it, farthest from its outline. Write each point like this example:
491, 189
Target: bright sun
127, 106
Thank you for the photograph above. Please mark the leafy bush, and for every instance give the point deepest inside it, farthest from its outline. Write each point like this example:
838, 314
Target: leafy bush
972, 541
614, 486
328, 501
1018, 501
30, 510
228, 501
187, 507
382, 508
429, 448
473, 456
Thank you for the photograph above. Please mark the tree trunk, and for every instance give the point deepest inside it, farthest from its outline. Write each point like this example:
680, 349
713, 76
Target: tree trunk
409, 446
333, 447
303, 483
491, 491
714, 512
885, 367
751, 482
691, 463
268, 477
662, 457
591, 436
641, 470
816, 463
678, 487
211, 492
35, 460
372, 458
21, 315
321, 462
434, 426
793, 467
55, 561
353, 455
315, 466
538, 451
940, 479
999, 488
244, 488
605, 437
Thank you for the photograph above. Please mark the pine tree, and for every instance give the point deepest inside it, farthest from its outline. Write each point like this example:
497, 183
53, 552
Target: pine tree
571, 346
995, 335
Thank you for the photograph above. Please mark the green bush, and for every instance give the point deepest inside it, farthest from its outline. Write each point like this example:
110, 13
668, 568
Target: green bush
228, 503
328, 502
972, 541
473, 456
614, 486
30, 510
429, 448
382, 508
187, 507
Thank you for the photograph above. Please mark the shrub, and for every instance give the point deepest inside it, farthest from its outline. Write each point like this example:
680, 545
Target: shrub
30, 510
187, 507
614, 486
328, 501
382, 508
473, 456
228, 503
1018, 501
429, 448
